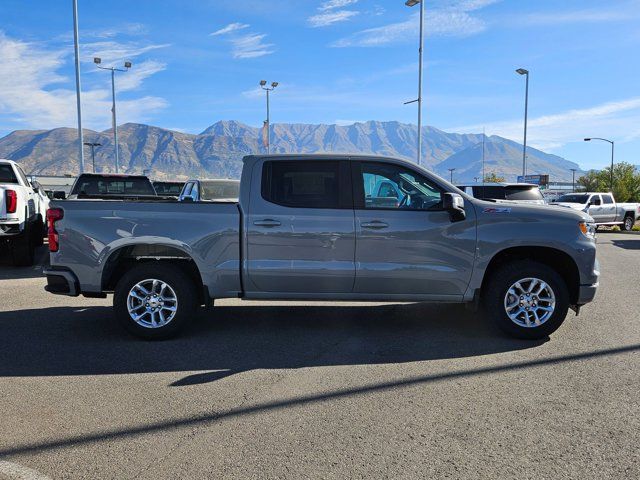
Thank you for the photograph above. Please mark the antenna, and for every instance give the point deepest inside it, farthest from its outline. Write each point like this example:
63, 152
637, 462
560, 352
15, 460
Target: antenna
483, 177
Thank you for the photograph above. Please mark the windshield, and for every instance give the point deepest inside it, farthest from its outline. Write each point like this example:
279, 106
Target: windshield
113, 186
574, 198
522, 193
219, 190
6, 174
168, 188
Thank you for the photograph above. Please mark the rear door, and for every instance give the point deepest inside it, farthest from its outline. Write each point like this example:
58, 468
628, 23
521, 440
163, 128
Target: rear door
608, 208
300, 228
409, 247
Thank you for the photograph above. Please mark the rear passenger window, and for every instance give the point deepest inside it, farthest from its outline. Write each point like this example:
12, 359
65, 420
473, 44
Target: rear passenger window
606, 199
302, 184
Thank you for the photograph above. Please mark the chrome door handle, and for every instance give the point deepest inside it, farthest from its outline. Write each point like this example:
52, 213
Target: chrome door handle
376, 225
267, 222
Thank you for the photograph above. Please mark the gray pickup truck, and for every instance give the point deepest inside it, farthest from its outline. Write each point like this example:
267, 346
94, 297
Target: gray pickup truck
311, 227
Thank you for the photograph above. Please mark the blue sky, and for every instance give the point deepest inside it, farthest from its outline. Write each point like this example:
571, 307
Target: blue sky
196, 62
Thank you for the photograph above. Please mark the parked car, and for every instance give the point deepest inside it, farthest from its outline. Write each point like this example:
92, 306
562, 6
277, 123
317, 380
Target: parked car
505, 192
41, 201
603, 208
21, 220
304, 228
210, 190
112, 186
168, 189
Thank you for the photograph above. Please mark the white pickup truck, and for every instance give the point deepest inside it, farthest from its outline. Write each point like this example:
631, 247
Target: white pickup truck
603, 208
22, 222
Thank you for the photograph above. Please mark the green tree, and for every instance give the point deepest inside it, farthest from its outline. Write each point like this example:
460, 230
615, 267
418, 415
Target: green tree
626, 182
493, 178
590, 181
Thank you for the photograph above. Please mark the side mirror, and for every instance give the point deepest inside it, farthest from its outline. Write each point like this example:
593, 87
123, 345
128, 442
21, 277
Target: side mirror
454, 204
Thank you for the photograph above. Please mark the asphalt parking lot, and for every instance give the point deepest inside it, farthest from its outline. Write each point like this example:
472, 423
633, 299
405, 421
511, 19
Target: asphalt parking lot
311, 390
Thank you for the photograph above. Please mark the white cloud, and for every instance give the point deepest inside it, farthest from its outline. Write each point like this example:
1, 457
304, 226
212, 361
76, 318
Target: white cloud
112, 52
249, 45
33, 94
329, 18
447, 18
617, 120
331, 4
232, 27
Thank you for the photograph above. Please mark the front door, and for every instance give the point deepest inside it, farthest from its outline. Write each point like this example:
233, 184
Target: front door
595, 208
406, 244
300, 228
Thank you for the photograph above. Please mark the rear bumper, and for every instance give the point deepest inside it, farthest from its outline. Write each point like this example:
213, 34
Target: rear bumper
61, 282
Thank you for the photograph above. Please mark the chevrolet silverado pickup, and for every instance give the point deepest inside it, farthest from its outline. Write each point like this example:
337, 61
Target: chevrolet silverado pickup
603, 208
314, 227
21, 215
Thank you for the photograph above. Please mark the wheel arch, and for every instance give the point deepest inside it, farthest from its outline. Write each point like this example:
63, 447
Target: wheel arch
122, 259
558, 260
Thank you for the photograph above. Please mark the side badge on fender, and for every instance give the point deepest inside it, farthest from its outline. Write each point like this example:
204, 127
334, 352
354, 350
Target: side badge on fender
496, 210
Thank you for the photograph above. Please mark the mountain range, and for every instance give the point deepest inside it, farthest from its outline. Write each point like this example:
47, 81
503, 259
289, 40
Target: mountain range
218, 150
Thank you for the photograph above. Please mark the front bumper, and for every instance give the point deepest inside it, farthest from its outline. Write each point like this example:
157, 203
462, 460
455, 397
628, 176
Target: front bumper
61, 282
587, 293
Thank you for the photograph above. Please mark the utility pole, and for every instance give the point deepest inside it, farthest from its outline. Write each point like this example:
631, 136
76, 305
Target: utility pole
127, 66
263, 84
93, 155
612, 147
76, 46
573, 179
525, 72
451, 170
412, 3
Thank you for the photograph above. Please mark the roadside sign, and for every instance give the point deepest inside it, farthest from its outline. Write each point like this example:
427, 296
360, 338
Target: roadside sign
541, 180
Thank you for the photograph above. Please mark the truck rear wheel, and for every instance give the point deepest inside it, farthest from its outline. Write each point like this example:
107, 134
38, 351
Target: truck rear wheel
526, 299
155, 300
627, 225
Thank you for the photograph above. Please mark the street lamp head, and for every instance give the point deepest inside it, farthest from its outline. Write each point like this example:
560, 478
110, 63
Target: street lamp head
587, 139
522, 71
412, 3
127, 64
97, 60
274, 84
263, 83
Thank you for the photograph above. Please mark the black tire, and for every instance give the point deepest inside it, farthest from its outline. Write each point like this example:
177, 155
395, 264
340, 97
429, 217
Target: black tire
23, 249
628, 223
507, 275
40, 232
176, 279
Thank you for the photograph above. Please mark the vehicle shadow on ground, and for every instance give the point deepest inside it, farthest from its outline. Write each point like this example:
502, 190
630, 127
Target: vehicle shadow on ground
228, 340
9, 272
627, 244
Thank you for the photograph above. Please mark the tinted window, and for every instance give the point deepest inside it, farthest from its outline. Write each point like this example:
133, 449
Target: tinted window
7, 174
168, 188
607, 199
23, 177
489, 191
303, 184
219, 190
194, 191
573, 198
187, 189
388, 186
523, 193
113, 186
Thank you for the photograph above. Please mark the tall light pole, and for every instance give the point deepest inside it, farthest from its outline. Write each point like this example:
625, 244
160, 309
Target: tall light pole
573, 179
451, 170
77, 63
127, 66
612, 146
263, 84
413, 3
525, 72
93, 155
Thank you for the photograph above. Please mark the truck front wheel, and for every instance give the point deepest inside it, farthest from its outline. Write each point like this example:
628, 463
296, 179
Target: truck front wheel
155, 300
526, 299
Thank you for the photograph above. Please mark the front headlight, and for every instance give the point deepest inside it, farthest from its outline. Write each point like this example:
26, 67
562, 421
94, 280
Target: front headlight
588, 229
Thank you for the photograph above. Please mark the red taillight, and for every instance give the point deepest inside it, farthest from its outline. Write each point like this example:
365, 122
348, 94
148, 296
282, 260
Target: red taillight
53, 215
11, 200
